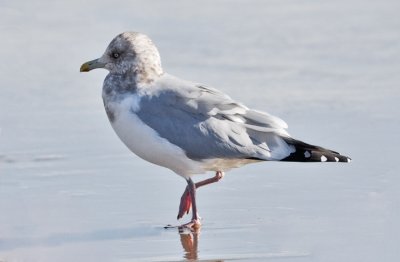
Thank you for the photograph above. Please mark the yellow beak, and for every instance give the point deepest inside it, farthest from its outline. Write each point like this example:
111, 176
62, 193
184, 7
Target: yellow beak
86, 67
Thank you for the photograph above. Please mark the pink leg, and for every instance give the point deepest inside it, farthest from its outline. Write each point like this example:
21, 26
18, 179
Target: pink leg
186, 200
195, 222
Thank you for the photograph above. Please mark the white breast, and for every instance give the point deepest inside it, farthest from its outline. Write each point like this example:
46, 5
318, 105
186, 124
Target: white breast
145, 142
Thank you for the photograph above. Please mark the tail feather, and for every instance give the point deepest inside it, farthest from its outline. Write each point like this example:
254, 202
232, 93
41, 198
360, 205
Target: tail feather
309, 153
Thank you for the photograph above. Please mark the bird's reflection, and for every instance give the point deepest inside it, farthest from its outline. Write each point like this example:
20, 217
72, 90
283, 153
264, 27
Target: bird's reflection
189, 241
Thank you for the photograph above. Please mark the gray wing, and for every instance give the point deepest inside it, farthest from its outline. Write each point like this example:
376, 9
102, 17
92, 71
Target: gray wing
208, 124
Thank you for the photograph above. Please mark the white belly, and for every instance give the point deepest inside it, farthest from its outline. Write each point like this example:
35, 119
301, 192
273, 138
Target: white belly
146, 143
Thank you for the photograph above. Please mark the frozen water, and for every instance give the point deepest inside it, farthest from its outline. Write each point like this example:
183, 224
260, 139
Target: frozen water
71, 191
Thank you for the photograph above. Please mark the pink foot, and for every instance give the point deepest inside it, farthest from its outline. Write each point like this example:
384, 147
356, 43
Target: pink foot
185, 205
194, 224
186, 200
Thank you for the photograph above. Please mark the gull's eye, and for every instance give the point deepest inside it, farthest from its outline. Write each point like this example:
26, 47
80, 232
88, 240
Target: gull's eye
115, 55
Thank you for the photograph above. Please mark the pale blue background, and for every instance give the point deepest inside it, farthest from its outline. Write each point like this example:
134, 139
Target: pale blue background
71, 191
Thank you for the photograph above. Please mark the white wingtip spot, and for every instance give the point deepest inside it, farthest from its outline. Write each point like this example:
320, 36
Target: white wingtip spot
337, 159
348, 160
323, 158
307, 154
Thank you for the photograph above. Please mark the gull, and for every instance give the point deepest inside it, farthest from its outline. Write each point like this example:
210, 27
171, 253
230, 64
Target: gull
187, 127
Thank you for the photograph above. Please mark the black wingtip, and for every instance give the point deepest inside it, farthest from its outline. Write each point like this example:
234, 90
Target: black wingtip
309, 153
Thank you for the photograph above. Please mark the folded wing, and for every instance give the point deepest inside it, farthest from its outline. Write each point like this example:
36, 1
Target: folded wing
208, 124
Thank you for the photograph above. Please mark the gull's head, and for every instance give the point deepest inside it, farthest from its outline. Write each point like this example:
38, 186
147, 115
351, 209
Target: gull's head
129, 53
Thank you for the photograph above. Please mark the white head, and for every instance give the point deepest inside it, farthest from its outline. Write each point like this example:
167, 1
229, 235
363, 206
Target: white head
129, 53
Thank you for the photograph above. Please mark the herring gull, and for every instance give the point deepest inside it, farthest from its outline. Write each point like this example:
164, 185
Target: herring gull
187, 127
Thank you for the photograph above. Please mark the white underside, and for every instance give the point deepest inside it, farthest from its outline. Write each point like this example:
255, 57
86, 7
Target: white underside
147, 144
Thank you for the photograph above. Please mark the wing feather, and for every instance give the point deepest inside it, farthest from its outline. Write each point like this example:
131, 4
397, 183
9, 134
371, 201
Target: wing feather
207, 123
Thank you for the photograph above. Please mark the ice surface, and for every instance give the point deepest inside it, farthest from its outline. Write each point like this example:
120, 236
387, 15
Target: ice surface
71, 191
